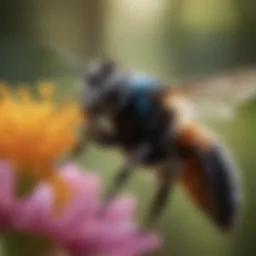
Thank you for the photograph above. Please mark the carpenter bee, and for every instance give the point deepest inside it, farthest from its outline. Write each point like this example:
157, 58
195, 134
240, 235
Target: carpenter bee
154, 126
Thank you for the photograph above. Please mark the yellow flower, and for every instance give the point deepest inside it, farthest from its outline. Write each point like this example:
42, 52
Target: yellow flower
34, 133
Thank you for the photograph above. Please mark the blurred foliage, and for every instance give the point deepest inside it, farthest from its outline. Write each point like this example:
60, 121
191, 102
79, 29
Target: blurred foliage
169, 39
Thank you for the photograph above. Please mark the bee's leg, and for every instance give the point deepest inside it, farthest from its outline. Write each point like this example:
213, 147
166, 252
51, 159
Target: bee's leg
167, 178
107, 140
88, 135
125, 172
80, 146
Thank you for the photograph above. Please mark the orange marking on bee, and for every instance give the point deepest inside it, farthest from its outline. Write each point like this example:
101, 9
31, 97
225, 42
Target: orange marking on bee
193, 135
179, 107
194, 183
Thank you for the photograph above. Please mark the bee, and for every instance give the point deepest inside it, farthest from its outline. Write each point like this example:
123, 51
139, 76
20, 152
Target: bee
153, 125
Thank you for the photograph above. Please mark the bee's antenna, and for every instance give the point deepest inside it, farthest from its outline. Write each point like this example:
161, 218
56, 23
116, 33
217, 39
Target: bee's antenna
69, 58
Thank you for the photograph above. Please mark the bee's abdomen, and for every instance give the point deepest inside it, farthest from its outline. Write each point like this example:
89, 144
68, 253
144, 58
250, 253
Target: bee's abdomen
214, 186
226, 186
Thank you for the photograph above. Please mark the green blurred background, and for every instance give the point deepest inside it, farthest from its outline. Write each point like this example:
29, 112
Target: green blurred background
175, 40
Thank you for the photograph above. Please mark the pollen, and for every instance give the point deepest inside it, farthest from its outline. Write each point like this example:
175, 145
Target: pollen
35, 132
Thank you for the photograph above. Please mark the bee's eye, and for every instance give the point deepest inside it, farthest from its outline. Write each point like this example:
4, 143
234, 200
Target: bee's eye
94, 80
107, 68
99, 74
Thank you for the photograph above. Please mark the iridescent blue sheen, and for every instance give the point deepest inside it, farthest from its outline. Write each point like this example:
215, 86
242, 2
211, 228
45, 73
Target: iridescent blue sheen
141, 87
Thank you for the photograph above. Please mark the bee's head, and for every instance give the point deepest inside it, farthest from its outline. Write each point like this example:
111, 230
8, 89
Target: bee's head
102, 86
99, 73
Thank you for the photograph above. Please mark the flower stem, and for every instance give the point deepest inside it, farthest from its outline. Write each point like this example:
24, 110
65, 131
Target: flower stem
25, 185
17, 244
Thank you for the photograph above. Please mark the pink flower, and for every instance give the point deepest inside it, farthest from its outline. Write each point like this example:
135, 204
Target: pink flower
78, 230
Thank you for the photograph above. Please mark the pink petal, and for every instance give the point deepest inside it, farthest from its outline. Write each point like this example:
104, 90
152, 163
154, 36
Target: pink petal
78, 229
122, 209
85, 199
136, 245
36, 210
6, 184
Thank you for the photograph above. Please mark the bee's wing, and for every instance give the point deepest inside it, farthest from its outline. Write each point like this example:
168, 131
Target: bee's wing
219, 96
